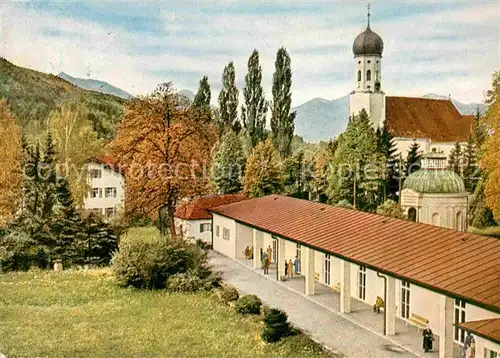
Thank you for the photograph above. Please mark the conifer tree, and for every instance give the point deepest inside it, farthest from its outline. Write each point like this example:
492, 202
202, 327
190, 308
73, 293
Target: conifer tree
470, 168
228, 165
263, 173
97, 242
203, 96
228, 100
387, 146
357, 166
413, 157
253, 112
454, 161
282, 120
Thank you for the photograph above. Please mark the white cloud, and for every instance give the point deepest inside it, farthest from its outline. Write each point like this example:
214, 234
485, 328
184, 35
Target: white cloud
446, 52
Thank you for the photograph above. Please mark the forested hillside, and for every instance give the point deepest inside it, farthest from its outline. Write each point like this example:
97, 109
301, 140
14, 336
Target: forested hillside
31, 96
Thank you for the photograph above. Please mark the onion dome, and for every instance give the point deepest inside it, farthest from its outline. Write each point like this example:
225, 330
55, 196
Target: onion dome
368, 43
434, 178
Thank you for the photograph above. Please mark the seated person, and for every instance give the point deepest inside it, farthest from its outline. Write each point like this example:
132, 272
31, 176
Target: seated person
378, 304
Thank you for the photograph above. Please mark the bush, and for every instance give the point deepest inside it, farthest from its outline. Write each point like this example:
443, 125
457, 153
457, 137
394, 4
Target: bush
192, 281
148, 261
248, 304
228, 294
276, 326
15, 251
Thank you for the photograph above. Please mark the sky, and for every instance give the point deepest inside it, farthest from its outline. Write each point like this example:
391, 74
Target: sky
429, 46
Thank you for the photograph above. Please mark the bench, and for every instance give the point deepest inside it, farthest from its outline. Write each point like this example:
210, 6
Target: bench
336, 287
316, 276
419, 321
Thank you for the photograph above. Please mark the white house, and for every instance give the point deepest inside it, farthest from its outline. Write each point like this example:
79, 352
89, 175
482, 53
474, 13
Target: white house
107, 187
192, 218
432, 123
427, 274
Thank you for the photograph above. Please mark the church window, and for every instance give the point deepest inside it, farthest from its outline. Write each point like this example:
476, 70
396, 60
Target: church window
359, 75
359, 62
412, 214
369, 61
369, 75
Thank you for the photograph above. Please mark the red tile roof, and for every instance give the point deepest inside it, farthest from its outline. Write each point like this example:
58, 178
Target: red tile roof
436, 119
197, 209
486, 328
108, 161
459, 264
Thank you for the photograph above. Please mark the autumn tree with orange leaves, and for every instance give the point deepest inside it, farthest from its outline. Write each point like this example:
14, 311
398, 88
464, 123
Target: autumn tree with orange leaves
164, 146
10, 173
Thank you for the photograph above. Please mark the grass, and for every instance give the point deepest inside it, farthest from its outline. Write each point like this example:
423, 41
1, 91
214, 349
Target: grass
85, 313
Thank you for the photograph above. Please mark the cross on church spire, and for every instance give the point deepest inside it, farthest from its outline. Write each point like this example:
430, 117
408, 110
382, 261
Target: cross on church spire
368, 13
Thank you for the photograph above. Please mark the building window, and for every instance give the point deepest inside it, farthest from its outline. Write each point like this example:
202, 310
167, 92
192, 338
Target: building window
459, 224
359, 62
110, 192
369, 75
459, 317
217, 230
299, 257
95, 211
488, 353
95, 173
204, 227
327, 268
96, 193
412, 214
435, 219
362, 283
109, 212
359, 76
225, 233
369, 61
405, 299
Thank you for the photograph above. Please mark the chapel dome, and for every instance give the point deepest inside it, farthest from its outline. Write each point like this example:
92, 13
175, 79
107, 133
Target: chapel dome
434, 182
368, 43
434, 177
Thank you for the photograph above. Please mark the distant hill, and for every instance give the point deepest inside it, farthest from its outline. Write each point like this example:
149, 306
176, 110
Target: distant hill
322, 119
95, 85
31, 96
464, 108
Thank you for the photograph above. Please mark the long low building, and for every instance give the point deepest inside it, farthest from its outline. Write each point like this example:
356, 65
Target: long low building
444, 277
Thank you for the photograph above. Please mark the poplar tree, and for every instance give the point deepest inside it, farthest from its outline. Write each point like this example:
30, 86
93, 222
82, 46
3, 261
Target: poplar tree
203, 96
387, 146
253, 112
282, 121
228, 165
228, 100
455, 158
470, 169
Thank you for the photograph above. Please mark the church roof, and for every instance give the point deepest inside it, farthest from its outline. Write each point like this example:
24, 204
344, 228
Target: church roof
436, 119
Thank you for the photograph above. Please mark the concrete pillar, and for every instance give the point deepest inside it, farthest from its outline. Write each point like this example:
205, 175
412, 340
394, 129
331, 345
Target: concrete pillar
445, 327
479, 346
308, 270
390, 307
281, 258
258, 242
345, 287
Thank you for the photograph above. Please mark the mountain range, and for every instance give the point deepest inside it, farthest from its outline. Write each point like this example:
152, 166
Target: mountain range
95, 85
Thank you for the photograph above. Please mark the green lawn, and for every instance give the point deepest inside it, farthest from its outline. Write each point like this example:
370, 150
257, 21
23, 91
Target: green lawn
87, 314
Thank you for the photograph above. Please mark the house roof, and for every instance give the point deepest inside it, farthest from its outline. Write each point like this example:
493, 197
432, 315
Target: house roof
109, 162
197, 209
436, 119
486, 328
459, 264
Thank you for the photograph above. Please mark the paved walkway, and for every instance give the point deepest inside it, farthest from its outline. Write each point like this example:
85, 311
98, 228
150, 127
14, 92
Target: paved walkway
358, 334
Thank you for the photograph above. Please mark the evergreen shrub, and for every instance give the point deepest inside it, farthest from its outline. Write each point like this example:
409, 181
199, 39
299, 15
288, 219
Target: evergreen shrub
276, 326
248, 304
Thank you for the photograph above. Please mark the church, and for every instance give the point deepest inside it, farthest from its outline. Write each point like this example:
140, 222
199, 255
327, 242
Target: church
435, 124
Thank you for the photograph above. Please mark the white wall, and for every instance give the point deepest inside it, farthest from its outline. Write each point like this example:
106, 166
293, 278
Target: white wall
244, 238
373, 103
109, 178
483, 344
191, 228
426, 145
226, 247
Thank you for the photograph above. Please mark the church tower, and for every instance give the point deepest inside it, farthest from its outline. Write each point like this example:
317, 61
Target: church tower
367, 48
